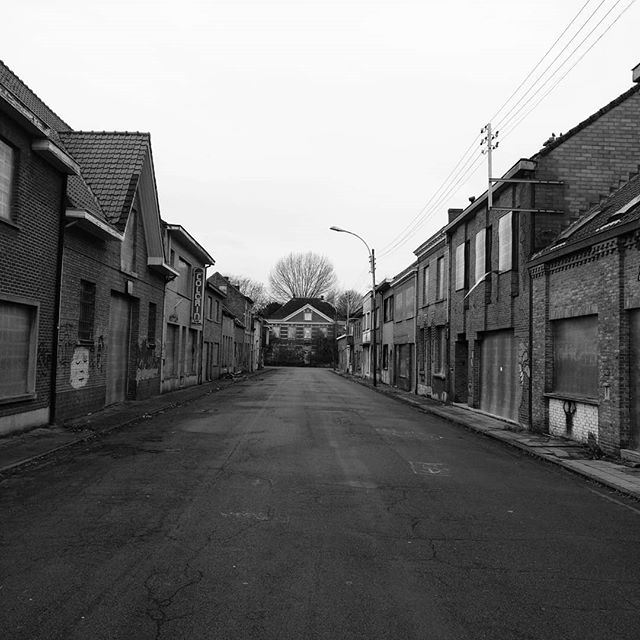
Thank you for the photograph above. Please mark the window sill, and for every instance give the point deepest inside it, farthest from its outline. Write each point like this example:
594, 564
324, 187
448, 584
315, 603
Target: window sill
555, 395
9, 223
21, 398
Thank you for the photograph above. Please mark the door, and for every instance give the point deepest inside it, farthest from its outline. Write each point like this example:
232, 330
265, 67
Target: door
461, 371
634, 379
498, 375
118, 357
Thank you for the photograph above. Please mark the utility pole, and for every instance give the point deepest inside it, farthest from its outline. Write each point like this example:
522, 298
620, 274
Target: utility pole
490, 146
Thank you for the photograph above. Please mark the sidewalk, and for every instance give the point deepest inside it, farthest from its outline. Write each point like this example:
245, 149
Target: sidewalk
571, 455
33, 446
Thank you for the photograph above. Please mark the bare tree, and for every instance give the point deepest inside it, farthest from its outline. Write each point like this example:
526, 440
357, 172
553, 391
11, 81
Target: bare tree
347, 302
301, 275
251, 288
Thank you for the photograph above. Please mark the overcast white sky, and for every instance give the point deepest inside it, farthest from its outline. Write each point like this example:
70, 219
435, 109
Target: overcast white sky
272, 120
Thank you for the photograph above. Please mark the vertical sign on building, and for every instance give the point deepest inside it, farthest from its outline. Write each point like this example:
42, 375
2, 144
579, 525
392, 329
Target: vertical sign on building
198, 295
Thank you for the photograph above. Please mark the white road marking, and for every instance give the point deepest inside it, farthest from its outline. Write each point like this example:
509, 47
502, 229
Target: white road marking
430, 468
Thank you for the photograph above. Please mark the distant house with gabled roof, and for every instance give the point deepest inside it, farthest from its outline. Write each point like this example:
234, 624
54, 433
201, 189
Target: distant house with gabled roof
303, 331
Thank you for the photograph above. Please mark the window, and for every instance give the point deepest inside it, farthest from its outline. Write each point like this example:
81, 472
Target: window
151, 325
6, 179
18, 340
575, 356
307, 316
425, 285
505, 243
324, 332
398, 305
387, 307
217, 310
461, 266
87, 311
291, 333
216, 353
307, 333
409, 301
209, 307
440, 278
184, 279
480, 266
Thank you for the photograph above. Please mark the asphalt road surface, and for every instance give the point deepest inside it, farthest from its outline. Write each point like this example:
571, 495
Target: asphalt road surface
299, 505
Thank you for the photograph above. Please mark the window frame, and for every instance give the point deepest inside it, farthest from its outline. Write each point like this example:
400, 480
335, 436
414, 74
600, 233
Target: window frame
440, 279
31, 375
9, 179
87, 312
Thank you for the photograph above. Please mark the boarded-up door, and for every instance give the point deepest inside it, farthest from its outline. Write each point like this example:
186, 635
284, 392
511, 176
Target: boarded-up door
634, 327
118, 355
499, 375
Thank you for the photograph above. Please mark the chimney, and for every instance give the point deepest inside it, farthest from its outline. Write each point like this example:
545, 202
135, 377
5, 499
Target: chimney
636, 73
453, 213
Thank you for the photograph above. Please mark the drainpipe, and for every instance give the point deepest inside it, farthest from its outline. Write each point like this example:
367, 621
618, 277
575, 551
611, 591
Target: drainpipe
57, 303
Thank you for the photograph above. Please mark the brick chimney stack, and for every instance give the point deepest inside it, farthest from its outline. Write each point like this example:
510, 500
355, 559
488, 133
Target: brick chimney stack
636, 73
453, 213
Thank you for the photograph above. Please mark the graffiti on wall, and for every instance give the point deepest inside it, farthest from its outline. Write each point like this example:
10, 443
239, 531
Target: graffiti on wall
524, 369
79, 374
66, 343
147, 361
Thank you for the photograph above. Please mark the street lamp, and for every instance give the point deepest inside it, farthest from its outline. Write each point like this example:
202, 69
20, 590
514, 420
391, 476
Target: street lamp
372, 261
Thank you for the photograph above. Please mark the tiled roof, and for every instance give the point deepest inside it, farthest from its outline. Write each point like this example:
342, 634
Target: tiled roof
619, 209
297, 303
79, 196
111, 163
30, 100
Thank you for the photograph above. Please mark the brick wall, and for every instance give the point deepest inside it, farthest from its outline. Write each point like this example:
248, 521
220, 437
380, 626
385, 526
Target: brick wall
29, 263
86, 258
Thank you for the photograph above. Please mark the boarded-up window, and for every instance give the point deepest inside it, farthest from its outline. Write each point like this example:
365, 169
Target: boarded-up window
460, 266
18, 323
6, 179
184, 279
425, 285
505, 242
409, 301
480, 266
87, 311
575, 356
398, 315
440, 278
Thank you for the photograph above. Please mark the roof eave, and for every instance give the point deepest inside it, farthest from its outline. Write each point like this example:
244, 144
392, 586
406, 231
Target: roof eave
55, 156
157, 263
188, 239
91, 224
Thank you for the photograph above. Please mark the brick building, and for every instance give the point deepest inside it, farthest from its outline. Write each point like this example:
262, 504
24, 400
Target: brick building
432, 317
303, 331
489, 248
403, 287
241, 307
33, 173
585, 356
113, 279
184, 309
212, 348
385, 303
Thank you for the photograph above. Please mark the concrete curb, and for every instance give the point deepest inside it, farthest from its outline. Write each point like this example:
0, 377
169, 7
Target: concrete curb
583, 468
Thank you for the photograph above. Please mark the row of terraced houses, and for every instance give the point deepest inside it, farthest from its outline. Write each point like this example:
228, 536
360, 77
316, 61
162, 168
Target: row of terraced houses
527, 306
100, 299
